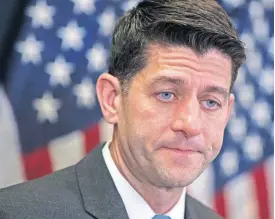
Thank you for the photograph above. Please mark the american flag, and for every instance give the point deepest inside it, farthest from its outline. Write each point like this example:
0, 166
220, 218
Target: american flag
50, 117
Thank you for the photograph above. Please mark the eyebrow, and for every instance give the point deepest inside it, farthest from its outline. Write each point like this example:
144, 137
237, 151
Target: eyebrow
165, 79
219, 90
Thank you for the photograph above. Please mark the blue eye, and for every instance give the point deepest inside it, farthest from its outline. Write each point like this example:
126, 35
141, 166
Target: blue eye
166, 96
210, 104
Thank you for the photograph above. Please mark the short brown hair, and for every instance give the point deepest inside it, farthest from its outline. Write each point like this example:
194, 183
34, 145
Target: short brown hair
198, 24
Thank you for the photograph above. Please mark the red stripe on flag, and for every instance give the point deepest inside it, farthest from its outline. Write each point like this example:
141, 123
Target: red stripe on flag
261, 191
92, 136
37, 163
220, 204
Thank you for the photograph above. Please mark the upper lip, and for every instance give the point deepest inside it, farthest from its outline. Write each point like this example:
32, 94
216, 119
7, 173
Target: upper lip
187, 147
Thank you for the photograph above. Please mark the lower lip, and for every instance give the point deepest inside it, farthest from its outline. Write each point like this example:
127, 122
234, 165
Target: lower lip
181, 152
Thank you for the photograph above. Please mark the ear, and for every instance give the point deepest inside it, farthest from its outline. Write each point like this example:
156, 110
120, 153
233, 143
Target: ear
230, 105
108, 94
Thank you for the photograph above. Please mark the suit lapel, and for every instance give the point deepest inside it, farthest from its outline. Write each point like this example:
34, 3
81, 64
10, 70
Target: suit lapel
190, 209
187, 214
99, 194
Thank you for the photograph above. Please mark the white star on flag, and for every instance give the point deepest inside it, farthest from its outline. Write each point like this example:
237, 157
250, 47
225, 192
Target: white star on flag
41, 14
60, 71
30, 49
261, 29
256, 10
129, 4
237, 128
97, 57
107, 21
271, 47
47, 108
254, 62
72, 36
246, 95
236, 3
85, 93
268, 3
229, 162
249, 41
84, 6
253, 147
261, 113
267, 80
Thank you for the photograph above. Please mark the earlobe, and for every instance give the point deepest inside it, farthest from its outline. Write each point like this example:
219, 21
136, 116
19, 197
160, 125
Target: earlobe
108, 92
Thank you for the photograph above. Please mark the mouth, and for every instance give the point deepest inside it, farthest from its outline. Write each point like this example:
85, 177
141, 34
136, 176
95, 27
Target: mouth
185, 152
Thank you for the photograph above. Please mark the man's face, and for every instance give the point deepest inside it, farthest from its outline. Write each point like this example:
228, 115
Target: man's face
171, 123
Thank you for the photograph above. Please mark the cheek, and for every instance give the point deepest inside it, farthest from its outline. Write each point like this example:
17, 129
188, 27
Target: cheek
147, 118
143, 107
213, 131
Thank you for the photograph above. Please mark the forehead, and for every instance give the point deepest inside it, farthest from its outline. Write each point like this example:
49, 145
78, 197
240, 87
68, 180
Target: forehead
182, 62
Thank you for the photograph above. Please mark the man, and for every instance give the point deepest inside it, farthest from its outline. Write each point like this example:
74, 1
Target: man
168, 93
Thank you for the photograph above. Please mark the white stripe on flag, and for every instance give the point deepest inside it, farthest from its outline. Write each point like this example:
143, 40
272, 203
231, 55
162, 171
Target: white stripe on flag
105, 130
269, 171
11, 168
202, 188
67, 150
241, 199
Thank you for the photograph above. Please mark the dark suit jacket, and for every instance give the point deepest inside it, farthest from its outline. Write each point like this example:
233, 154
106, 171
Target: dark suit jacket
84, 191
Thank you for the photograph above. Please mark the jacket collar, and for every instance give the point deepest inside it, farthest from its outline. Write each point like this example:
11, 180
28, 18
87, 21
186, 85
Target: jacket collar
99, 194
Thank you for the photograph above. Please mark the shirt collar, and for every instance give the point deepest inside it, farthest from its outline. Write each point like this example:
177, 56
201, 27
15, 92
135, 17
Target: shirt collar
133, 202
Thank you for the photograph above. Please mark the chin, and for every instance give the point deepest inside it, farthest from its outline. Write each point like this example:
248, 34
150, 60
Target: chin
179, 178
187, 180
177, 183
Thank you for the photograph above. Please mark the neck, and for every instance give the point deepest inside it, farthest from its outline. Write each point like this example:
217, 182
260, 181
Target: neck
160, 199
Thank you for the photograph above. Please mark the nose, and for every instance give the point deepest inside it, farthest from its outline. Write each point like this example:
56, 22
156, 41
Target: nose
187, 117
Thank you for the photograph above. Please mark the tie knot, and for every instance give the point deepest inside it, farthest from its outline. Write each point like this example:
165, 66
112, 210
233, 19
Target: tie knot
161, 217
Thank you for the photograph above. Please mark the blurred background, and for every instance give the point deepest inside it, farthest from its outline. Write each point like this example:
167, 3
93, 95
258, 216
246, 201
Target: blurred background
51, 54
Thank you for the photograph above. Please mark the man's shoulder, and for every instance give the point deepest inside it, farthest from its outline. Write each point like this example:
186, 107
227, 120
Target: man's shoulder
42, 185
40, 196
197, 208
58, 182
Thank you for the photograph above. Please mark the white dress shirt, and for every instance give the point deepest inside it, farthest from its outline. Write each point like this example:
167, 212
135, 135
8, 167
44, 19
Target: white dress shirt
135, 205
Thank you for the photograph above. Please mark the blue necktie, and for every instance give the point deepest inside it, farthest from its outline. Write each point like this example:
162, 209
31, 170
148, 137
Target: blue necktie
161, 217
